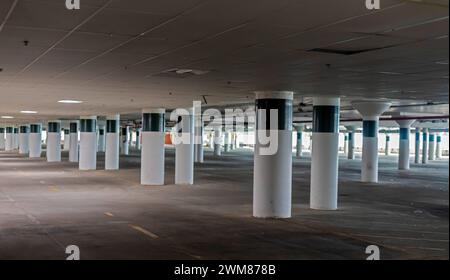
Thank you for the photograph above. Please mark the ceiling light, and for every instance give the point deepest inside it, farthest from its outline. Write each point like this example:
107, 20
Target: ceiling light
390, 73
7, 117
69, 101
28, 112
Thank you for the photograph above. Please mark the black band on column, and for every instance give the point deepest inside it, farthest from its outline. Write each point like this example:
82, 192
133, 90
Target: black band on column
74, 127
24, 129
284, 107
2, 130
101, 132
326, 119
88, 125
9, 129
112, 126
370, 128
54, 127
35, 128
153, 122
124, 131
16, 130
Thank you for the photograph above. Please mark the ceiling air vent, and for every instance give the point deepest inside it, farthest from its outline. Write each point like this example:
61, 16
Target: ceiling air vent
181, 73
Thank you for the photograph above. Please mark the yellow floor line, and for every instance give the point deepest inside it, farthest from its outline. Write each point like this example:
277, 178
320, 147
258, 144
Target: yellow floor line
144, 231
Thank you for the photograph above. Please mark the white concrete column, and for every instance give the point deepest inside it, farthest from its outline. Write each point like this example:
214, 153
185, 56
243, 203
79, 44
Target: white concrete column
217, 140
387, 146
272, 175
88, 143
125, 140
345, 144
424, 145
432, 146
112, 142
9, 139
24, 135
66, 146
299, 147
325, 153
138, 138
73, 141
227, 141
54, 141
403, 151
184, 149
152, 153
198, 137
34, 141
370, 112
101, 138
417, 146
351, 142
438, 146
16, 138
2, 138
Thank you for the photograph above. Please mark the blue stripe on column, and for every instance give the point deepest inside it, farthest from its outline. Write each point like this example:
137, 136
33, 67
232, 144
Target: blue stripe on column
326, 119
350, 136
284, 107
439, 139
101, 132
88, 125
54, 127
155, 122
404, 133
299, 135
345, 138
24, 129
388, 138
417, 136
424, 137
112, 126
370, 128
35, 128
431, 137
74, 127
16, 130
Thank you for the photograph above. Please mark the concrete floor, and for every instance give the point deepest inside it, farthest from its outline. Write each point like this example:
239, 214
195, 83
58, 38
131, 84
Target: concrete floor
45, 207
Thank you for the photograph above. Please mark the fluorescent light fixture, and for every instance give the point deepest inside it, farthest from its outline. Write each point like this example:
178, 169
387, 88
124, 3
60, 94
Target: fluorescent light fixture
28, 112
7, 117
390, 73
70, 101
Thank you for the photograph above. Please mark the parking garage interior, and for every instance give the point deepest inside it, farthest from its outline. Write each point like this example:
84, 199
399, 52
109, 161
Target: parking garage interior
95, 100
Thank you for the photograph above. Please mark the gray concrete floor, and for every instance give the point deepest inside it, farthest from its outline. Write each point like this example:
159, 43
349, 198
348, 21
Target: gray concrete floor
45, 207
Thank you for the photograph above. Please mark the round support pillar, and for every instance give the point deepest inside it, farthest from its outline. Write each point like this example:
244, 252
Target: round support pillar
152, 153
432, 146
438, 146
227, 141
125, 140
298, 146
184, 149
325, 153
370, 112
417, 146
138, 138
34, 141
403, 151
351, 142
73, 141
2, 138
217, 141
101, 138
425, 146
9, 139
16, 138
345, 144
198, 148
387, 147
66, 146
54, 141
272, 175
88, 143
112, 145
24, 135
